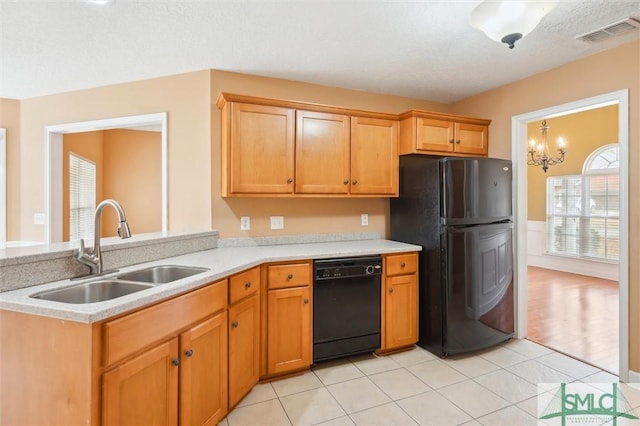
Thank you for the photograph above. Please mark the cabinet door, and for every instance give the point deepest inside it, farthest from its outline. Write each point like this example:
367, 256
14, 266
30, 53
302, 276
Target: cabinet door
434, 135
203, 372
261, 149
374, 156
401, 316
244, 347
471, 139
143, 391
288, 330
322, 153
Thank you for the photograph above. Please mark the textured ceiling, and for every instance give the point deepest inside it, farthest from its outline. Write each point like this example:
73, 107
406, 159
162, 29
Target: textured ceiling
419, 49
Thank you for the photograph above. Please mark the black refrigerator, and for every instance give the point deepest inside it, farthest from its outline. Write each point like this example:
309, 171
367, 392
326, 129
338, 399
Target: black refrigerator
460, 211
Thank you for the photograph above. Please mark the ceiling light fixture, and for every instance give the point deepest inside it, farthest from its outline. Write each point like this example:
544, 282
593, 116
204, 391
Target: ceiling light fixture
101, 1
539, 152
508, 21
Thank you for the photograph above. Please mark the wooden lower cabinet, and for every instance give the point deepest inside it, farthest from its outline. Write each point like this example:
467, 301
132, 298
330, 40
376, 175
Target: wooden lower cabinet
143, 391
203, 372
185, 375
401, 316
289, 330
244, 347
399, 301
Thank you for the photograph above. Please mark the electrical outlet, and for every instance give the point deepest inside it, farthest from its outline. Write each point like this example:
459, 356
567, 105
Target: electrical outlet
277, 222
245, 223
364, 219
38, 218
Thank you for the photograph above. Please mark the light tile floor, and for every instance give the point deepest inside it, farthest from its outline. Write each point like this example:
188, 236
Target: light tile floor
497, 386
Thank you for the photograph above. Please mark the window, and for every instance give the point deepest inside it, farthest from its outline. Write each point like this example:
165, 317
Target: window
583, 217
82, 197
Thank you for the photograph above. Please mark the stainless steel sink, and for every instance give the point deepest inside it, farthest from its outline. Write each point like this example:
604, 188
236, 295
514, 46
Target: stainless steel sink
96, 291
161, 274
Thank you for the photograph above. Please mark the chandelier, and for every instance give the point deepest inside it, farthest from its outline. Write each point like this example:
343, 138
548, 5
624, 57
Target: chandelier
539, 152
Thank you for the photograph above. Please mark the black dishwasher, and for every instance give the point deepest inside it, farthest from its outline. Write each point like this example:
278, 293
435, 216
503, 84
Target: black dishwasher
346, 306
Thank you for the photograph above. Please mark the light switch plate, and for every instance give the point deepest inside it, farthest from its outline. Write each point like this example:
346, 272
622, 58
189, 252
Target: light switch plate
277, 222
245, 223
364, 219
38, 218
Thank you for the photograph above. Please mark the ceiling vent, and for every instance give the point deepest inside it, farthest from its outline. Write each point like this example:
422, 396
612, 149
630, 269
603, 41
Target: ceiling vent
610, 30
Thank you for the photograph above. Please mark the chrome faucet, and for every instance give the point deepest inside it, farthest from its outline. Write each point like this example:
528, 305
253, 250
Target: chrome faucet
93, 257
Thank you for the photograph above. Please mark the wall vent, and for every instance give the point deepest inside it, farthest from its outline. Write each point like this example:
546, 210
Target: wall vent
610, 30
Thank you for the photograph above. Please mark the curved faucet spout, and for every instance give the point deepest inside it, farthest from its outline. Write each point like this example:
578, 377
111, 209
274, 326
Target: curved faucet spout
93, 257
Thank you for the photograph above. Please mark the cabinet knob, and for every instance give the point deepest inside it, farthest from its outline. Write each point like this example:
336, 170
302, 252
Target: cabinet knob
189, 353
391, 290
355, 181
346, 182
290, 276
290, 180
247, 284
402, 265
176, 362
234, 324
458, 141
451, 141
305, 301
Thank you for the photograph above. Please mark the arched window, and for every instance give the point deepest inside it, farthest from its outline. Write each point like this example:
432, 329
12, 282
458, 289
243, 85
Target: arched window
603, 160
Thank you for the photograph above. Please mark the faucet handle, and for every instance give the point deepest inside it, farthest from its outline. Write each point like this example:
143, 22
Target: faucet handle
81, 250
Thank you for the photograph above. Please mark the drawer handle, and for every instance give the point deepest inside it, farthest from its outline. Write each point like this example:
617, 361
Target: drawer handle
290, 180
176, 362
247, 284
402, 265
306, 301
290, 276
234, 324
391, 290
189, 353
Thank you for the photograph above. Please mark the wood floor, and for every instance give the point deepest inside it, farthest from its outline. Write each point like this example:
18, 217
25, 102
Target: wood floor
574, 314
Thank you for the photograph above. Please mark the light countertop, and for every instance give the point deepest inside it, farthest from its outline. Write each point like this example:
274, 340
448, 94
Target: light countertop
222, 262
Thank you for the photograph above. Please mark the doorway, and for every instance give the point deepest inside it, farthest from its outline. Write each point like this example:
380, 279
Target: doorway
519, 154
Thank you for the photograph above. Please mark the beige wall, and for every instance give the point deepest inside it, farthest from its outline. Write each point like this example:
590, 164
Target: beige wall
186, 98
605, 72
10, 119
301, 216
584, 132
133, 177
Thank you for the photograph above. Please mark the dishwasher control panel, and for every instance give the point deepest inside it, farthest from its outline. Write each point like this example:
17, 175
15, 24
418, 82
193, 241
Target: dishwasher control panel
347, 267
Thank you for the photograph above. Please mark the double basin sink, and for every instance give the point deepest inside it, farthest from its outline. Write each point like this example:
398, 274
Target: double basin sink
123, 284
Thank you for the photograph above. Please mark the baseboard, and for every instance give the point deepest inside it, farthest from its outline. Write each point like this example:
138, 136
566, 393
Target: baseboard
634, 376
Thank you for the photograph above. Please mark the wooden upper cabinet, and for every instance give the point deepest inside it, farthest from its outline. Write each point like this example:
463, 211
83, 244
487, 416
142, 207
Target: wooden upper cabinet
374, 156
273, 147
258, 150
423, 132
322, 153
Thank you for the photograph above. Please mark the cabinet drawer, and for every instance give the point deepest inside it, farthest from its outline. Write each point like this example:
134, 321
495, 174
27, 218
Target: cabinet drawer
129, 334
400, 264
289, 275
244, 284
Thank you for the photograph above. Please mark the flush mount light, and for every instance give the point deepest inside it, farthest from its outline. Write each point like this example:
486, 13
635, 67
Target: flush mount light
509, 21
101, 1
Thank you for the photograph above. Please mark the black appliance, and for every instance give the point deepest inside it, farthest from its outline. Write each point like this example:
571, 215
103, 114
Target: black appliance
346, 306
459, 211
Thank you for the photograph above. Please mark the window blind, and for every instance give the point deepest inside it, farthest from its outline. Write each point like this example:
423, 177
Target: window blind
82, 197
583, 217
